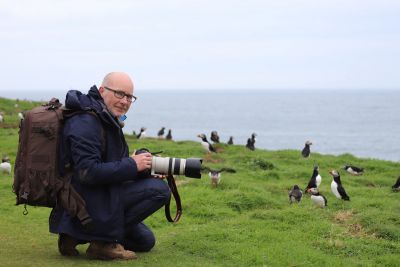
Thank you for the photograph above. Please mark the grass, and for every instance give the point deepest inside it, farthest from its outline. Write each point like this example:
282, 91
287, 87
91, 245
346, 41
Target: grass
245, 221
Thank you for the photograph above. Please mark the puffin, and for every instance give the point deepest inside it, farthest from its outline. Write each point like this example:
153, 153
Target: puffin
315, 179
215, 175
161, 132
306, 150
214, 137
169, 135
353, 170
5, 165
20, 115
317, 198
251, 142
336, 186
295, 194
230, 141
142, 133
5, 158
396, 186
205, 144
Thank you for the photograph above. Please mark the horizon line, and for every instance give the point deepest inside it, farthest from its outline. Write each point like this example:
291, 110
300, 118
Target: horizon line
234, 89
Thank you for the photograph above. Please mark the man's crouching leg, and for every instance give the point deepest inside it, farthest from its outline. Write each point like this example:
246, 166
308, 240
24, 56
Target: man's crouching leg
141, 199
139, 238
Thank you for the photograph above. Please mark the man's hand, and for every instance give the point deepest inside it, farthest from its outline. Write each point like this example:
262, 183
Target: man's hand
160, 176
143, 161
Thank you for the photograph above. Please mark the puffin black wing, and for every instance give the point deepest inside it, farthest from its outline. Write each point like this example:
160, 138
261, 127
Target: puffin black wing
212, 149
326, 201
354, 170
228, 170
250, 144
205, 169
214, 137
342, 192
311, 184
161, 132
357, 169
396, 186
306, 151
230, 141
169, 135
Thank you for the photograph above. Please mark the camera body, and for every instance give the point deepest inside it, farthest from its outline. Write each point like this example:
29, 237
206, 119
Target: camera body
190, 167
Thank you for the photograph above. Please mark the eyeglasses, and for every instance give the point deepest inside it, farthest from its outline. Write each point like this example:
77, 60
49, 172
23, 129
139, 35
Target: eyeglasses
120, 95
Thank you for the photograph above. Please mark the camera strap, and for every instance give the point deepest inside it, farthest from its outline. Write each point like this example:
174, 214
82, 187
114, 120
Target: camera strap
174, 191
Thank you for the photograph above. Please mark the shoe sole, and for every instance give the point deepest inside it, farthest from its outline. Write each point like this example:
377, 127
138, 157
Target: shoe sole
106, 258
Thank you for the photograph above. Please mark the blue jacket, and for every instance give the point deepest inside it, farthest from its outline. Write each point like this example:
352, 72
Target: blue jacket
97, 150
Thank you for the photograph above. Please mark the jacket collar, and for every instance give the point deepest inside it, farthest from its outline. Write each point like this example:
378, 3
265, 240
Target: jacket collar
93, 101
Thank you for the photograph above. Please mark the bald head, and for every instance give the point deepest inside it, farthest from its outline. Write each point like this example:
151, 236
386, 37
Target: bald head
118, 80
112, 82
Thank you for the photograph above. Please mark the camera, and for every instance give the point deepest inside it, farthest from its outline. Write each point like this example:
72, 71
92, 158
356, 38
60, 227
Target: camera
190, 167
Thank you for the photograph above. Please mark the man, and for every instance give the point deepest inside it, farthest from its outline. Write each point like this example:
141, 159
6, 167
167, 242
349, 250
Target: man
116, 187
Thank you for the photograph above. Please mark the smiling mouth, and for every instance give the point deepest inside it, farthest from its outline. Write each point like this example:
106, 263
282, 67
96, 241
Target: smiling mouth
120, 109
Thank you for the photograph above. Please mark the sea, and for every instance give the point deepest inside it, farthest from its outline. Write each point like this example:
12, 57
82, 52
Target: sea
365, 123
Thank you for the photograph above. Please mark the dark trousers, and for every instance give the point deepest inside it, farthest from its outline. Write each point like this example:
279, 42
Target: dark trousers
142, 198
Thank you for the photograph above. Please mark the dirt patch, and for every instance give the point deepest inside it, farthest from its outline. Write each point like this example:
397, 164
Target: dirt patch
342, 217
355, 229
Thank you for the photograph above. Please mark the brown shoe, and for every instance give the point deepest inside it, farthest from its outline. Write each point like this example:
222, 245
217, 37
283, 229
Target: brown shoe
67, 244
109, 251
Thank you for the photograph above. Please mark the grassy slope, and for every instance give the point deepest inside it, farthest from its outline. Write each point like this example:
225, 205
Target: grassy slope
245, 221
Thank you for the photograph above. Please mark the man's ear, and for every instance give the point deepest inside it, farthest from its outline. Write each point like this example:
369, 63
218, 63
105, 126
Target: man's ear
102, 91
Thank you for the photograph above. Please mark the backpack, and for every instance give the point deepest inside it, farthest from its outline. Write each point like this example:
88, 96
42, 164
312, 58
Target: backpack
37, 181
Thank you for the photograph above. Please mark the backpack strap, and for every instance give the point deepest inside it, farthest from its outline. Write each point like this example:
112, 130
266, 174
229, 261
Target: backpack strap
72, 202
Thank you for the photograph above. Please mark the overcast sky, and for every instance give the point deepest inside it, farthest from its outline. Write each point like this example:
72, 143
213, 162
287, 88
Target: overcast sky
188, 44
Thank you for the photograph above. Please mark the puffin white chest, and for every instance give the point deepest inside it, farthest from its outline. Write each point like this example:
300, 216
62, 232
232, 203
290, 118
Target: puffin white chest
318, 180
318, 200
334, 189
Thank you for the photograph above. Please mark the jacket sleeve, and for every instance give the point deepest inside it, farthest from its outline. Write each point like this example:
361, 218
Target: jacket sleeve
84, 136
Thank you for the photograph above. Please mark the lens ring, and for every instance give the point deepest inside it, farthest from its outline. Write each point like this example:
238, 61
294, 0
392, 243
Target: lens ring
177, 165
170, 165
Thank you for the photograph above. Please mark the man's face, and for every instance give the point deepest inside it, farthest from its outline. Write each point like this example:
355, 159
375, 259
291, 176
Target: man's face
117, 97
